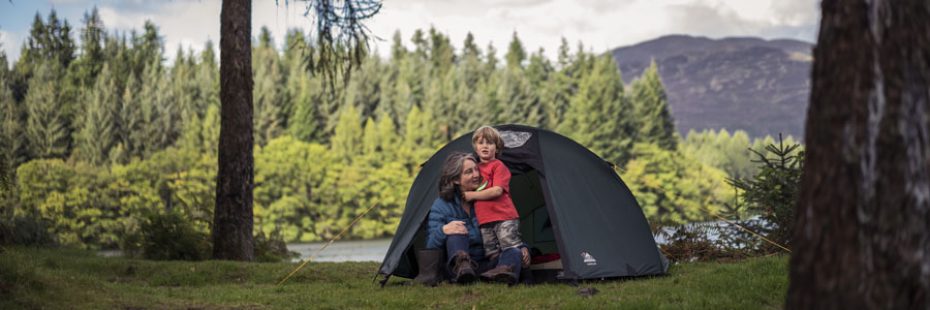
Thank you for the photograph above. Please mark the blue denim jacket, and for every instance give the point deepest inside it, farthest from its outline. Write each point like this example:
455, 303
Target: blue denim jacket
441, 213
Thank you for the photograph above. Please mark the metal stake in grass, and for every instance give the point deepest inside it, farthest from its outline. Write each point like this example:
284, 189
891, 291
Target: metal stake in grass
344, 230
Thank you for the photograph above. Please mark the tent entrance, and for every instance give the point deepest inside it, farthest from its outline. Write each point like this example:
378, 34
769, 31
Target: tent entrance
535, 225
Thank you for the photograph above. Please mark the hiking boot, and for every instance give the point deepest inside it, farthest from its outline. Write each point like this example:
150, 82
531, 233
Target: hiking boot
502, 274
464, 269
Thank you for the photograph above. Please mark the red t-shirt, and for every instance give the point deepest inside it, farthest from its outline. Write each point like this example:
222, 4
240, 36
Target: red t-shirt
500, 208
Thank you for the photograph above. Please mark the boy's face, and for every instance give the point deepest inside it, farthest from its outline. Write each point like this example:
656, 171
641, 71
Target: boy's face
486, 150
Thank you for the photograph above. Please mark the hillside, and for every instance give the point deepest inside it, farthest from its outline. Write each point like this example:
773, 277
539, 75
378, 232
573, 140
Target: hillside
760, 86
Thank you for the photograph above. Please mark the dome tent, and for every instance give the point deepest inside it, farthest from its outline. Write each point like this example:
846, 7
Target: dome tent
570, 201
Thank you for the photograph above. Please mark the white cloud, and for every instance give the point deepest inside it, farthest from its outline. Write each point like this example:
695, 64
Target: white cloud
181, 24
599, 24
11, 44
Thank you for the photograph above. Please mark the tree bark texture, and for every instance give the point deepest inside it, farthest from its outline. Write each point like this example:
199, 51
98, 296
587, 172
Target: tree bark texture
862, 238
232, 219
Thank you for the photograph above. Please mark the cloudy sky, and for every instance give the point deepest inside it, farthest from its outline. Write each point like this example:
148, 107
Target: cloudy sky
599, 24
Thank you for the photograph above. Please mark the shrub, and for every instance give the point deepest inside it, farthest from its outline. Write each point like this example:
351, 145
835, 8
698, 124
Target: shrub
169, 235
25, 230
271, 247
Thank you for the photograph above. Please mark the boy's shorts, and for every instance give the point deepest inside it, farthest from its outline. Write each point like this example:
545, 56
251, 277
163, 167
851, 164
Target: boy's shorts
500, 235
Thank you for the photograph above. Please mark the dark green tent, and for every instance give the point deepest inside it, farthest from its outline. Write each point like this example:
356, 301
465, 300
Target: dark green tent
570, 202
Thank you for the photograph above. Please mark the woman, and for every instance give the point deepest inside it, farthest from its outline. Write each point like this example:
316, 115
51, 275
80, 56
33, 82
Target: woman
453, 227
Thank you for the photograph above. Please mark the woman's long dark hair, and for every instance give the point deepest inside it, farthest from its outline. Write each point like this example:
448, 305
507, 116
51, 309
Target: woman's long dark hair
451, 171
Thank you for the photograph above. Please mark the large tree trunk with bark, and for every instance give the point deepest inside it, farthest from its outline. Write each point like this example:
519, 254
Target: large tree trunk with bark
232, 219
862, 238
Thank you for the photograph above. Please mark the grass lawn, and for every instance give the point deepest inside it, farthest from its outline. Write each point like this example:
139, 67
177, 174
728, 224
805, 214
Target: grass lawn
69, 279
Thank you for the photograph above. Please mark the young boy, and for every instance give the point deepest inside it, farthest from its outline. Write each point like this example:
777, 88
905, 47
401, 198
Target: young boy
497, 216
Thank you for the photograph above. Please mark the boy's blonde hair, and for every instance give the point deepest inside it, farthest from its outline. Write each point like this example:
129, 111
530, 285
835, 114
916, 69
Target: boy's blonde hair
491, 135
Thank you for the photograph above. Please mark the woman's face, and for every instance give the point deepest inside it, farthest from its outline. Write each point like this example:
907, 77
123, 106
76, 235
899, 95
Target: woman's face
470, 177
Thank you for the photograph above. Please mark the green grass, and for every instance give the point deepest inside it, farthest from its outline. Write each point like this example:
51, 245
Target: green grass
69, 279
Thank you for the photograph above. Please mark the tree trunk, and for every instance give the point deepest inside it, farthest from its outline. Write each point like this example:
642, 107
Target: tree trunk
232, 219
862, 238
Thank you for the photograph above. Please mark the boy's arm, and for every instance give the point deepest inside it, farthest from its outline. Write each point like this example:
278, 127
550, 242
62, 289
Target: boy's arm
486, 194
501, 177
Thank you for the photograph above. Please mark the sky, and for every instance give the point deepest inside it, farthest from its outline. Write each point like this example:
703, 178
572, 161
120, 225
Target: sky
599, 24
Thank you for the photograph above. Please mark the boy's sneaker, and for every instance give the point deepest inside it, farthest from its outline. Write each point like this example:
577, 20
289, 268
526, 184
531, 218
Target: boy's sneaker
502, 274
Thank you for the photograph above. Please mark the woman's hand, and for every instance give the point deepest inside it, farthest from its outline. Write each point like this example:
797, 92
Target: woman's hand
526, 256
455, 228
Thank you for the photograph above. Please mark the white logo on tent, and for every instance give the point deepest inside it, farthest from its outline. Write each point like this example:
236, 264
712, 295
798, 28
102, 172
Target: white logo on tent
588, 259
514, 139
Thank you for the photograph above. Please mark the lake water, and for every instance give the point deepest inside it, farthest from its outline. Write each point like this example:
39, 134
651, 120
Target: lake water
339, 251
343, 251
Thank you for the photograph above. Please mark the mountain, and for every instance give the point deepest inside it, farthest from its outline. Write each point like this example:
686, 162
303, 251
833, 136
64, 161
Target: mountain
760, 86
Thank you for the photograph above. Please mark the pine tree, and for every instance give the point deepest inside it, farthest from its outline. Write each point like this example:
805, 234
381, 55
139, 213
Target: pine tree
346, 141
387, 139
211, 129
516, 54
484, 109
363, 90
420, 45
294, 67
269, 91
654, 121
537, 76
304, 124
599, 116
207, 80
491, 60
370, 137
561, 86
186, 98
518, 102
97, 128
414, 140
46, 125
469, 92
441, 53
146, 48
151, 136
398, 50
129, 121
11, 131
91, 60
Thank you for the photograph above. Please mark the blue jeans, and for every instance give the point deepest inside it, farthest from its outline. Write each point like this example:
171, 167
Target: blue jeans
459, 243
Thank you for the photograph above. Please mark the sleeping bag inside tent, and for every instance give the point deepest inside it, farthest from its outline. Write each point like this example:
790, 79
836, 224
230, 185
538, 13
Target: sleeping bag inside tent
574, 209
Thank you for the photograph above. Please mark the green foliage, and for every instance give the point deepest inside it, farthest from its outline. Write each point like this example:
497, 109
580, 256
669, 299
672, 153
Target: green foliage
271, 247
169, 235
728, 152
672, 188
97, 131
516, 54
598, 114
269, 116
11, 133
46, 125
773, 191
25, 230
654, 121
147, 131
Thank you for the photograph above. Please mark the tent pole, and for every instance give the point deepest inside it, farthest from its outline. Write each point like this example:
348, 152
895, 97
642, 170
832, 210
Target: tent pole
752, 232
344, 230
